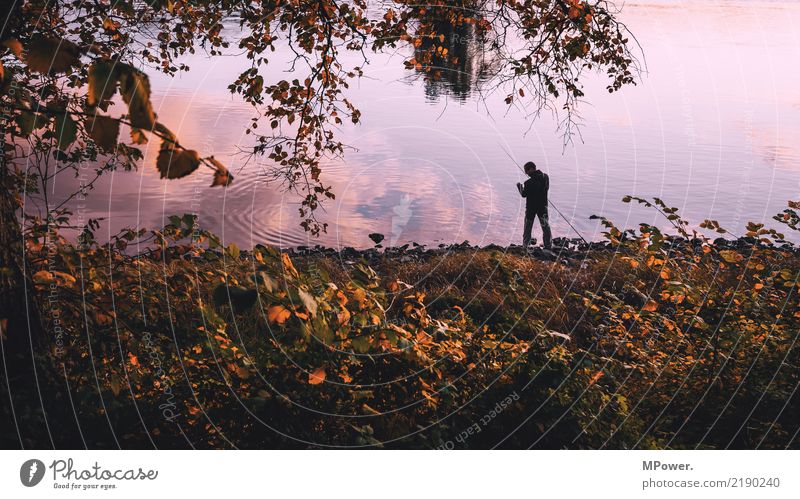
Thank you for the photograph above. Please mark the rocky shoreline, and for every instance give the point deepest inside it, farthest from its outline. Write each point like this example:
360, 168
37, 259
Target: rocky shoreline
564, 250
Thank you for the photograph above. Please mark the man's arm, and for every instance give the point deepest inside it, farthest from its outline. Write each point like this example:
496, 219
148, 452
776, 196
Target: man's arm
521, 190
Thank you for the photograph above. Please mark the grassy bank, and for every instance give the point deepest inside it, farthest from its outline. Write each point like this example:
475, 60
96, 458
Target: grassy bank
647, 341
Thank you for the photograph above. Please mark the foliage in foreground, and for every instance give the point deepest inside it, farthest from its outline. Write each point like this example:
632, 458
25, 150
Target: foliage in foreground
655, 341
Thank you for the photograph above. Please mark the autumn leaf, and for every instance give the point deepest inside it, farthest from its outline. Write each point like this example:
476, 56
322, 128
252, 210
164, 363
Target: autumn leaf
102, 83
138, 136
221, 176
316, 376
361, 344
115, 386
66, 130
14, 46
360, 296
343, 317
135, 89
63, 278
104, 132
650, 306
103, 319
731, 256
51, 55
177, 163
43, 277
278, 314
595, 377
234, 251
29, 121
288, 266
169, 138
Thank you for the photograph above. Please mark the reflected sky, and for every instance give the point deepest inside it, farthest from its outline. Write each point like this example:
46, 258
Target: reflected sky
712, 129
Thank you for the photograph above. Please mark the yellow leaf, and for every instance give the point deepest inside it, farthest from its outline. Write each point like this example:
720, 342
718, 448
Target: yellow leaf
731, 256
360, 296
317, 376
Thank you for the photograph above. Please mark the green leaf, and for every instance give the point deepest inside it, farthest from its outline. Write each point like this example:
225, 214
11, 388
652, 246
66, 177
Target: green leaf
234, 251
361, 344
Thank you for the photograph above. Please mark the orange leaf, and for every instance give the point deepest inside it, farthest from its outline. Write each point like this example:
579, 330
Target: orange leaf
287, 264
650, 306
317, 376
278, 313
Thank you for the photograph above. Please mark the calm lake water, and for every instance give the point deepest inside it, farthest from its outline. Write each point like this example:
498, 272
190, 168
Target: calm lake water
713, 129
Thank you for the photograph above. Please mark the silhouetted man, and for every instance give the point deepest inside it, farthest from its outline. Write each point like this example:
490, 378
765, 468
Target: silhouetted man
535, 193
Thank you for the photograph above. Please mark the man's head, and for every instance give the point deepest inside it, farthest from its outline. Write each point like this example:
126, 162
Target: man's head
530, 167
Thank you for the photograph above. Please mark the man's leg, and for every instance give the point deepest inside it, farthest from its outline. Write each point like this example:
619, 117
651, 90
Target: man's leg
526, 232
544, 220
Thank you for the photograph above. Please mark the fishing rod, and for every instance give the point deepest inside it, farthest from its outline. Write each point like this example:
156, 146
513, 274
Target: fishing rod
548, 199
